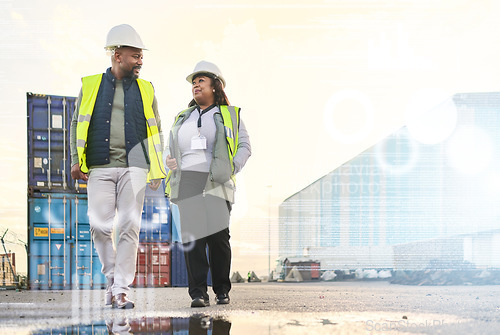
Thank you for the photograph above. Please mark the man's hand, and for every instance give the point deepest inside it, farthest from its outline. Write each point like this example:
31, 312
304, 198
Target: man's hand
171, 163
154, 184
76, 173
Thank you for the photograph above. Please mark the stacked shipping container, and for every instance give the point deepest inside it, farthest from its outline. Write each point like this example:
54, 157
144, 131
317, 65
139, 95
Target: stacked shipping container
60, 250
61, 254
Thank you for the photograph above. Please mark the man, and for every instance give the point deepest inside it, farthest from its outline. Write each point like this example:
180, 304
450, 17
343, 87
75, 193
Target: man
116, 146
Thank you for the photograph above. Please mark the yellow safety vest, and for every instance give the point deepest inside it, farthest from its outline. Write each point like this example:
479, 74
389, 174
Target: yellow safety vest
90, 87
231, 132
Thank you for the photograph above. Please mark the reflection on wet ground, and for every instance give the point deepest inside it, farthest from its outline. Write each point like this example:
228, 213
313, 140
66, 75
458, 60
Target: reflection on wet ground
263, 308
195, 324
262, 323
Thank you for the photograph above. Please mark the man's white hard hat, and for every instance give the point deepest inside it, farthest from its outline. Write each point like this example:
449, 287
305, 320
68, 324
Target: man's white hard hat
123, 35
209, 68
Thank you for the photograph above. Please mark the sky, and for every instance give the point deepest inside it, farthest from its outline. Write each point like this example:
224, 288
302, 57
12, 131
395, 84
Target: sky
318, 81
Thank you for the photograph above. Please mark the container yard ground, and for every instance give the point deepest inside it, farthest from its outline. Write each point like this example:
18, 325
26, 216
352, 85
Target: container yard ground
356, 307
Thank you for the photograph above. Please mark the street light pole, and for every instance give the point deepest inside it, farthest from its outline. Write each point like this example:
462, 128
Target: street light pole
269, 232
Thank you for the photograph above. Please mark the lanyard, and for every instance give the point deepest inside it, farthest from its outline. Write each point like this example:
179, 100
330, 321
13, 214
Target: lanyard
203, 112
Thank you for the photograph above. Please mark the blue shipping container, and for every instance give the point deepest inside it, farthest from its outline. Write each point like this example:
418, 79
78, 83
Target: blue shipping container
159, 193
71, 261
85, 264
178, 267
57, 259
49, 249
49, 119
97, 328
156, 224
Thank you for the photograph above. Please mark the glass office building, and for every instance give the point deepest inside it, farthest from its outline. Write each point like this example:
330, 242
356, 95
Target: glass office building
434, 179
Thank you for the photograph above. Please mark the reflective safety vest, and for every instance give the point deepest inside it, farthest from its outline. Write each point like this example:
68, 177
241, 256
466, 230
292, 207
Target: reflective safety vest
90, 88
232, 133
231, 120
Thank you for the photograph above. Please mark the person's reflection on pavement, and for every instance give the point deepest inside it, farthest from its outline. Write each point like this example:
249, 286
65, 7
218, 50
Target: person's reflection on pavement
118, 326
200, 324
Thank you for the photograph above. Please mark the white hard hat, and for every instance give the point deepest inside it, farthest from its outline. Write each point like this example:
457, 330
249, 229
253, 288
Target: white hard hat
123, 35
206, 67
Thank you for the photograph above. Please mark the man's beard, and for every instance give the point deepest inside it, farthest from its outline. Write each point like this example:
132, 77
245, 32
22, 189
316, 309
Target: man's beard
132, 72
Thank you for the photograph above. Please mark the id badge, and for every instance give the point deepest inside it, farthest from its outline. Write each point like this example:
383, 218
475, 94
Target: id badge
198, 142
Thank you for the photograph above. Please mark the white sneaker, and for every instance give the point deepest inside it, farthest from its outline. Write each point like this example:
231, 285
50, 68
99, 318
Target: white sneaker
108, 298
121, 301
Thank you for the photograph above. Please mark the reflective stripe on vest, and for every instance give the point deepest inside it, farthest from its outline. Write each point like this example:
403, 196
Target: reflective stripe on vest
90, 87
231, 132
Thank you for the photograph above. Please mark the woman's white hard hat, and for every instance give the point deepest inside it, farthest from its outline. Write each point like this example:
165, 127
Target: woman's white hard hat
206, 67
123, 35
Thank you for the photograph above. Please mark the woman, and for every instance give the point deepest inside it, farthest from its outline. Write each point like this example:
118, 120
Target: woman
208, 145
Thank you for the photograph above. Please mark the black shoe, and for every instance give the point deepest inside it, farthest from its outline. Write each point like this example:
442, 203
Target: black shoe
200, 302
222, 299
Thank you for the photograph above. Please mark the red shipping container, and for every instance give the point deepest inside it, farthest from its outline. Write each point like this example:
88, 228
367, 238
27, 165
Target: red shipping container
153, 265
157, 324
139, 280
160, 258
152, 324
142, 254
165, 324
159, 280
141, 269
315, 270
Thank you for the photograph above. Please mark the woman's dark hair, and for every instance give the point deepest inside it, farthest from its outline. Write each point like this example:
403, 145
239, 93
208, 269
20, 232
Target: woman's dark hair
219, 94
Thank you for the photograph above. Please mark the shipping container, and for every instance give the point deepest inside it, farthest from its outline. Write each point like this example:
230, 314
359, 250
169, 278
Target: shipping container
159, 193
200, 324
180, 326
72, 261
156, 220
8, 270
152, 265
175, 223
49, 119
151, 325
196, 324
178, 266
179, 277
60, 251
96, 328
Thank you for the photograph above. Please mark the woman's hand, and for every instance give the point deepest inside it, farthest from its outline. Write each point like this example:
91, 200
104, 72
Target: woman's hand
171, 163
154, 184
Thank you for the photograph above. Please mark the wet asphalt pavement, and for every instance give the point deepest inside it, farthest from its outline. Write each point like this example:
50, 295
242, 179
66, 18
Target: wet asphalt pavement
358, 307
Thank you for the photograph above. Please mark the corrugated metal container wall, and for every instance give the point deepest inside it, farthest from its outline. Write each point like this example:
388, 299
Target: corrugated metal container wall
49, 119
72, 260
96, 328
180, 326
49, 233
151, 325
86, 267
152, 265
178, 266
156, 224
60, 251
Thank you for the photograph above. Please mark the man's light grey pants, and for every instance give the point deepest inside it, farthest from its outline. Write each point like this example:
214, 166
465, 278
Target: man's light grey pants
116, 191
